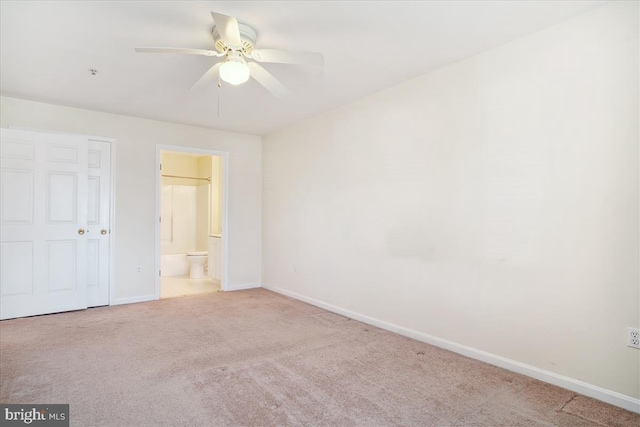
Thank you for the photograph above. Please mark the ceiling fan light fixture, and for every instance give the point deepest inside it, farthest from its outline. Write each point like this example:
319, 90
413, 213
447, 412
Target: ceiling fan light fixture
235, 41
234, 71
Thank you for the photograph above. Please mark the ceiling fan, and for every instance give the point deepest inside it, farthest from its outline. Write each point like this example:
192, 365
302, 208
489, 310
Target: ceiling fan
235, 43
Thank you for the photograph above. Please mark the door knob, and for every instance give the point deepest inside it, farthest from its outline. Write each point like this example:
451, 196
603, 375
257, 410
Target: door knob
80, 231
103, 231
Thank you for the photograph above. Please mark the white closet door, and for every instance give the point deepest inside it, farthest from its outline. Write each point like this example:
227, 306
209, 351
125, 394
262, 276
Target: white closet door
98, 215
43, 219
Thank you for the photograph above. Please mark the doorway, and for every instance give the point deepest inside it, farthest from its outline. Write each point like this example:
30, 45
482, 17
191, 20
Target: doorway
191, 212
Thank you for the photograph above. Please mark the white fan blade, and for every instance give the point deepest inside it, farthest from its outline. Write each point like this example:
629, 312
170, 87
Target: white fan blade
207, 77
287, 57
228, 29
187, 51
267, 80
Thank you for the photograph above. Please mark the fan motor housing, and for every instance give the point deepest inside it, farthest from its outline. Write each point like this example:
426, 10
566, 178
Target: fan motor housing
247, 37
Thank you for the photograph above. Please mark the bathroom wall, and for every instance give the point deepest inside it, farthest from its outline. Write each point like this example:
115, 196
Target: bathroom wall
203, 202
216, 195
211, 166
179, 164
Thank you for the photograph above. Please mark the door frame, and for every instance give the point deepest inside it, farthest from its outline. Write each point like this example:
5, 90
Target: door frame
112, 195
224, 228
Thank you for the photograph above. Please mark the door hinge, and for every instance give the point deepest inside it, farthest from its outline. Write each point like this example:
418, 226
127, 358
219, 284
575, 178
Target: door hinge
160, 166
159, 272
159, 219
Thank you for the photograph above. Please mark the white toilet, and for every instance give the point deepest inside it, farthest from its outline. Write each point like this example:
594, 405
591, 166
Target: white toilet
197, 261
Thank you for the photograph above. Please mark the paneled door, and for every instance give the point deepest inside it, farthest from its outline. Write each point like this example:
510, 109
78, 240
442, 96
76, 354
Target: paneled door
43, 223
98, 220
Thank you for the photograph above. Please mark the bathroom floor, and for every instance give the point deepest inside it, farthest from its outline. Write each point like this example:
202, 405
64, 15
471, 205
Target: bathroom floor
178, 286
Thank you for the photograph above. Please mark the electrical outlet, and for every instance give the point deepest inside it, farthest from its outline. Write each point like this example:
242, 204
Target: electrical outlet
633, 337
138, 270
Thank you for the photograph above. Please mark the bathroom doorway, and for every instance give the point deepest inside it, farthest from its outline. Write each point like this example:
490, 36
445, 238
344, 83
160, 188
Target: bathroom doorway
191, 216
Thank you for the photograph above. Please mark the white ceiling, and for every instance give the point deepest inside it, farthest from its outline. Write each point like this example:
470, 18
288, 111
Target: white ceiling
47, 49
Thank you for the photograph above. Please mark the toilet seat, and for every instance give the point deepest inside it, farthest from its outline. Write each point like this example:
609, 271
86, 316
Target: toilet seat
201, 253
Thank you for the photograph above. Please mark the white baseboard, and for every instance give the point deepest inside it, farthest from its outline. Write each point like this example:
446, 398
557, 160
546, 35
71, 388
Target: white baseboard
132, 300
614, 398
243, 286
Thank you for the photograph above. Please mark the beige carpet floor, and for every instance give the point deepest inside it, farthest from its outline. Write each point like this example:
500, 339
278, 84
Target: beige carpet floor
256, 358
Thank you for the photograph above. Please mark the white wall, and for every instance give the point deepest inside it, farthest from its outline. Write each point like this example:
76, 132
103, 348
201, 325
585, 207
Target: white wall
492, 203
135, 185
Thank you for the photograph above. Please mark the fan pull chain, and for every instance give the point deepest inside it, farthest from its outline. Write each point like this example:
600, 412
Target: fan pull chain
219, 86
